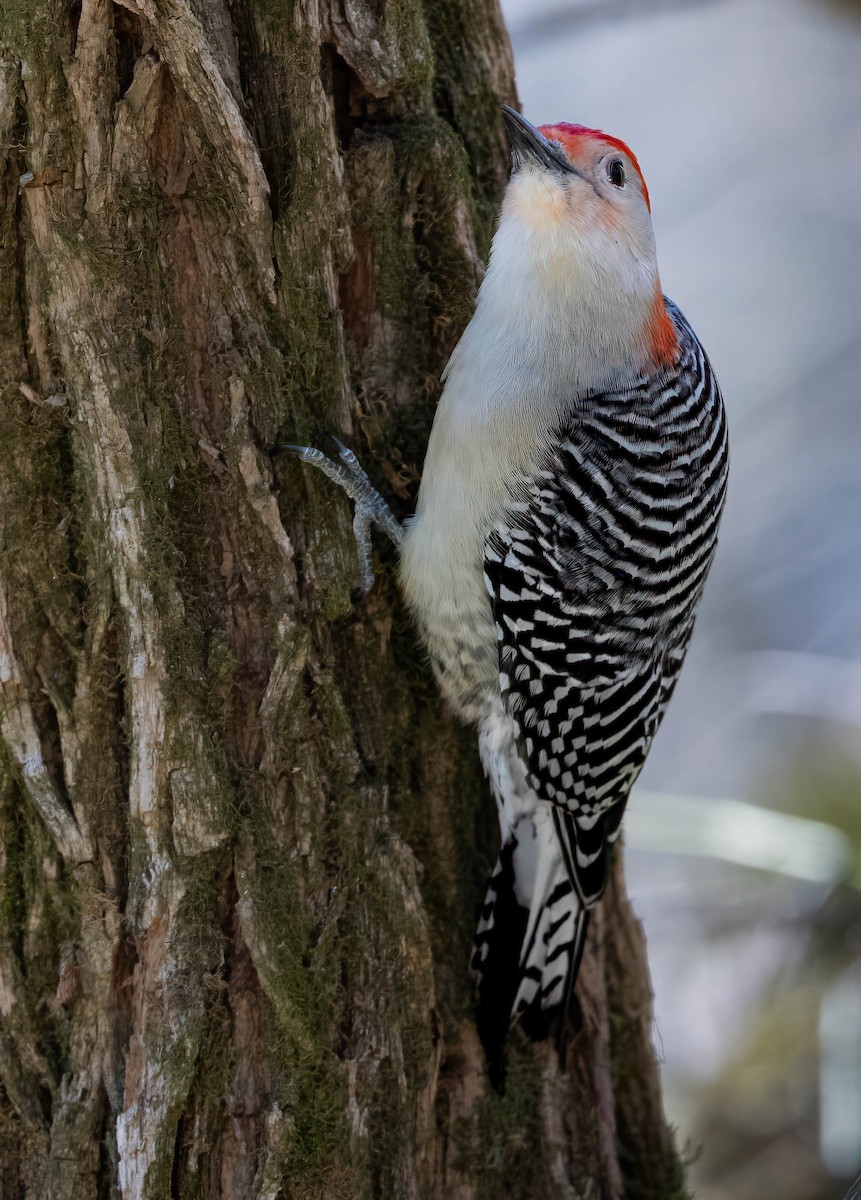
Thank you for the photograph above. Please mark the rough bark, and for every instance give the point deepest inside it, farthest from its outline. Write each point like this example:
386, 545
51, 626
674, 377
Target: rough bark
241, 843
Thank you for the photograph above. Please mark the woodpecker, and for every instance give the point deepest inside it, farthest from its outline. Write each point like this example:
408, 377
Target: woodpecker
566, 521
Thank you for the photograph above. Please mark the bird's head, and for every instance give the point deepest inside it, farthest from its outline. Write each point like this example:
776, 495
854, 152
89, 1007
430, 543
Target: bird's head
576, 217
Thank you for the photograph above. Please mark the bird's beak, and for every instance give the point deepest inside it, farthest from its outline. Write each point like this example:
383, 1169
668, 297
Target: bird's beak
528, 145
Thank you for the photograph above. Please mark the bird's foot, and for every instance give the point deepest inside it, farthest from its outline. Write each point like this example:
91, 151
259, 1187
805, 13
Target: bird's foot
370, 507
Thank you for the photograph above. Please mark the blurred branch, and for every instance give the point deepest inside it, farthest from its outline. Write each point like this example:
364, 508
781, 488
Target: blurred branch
741, 833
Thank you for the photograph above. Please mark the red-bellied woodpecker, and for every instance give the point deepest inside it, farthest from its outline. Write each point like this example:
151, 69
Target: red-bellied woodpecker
566, 521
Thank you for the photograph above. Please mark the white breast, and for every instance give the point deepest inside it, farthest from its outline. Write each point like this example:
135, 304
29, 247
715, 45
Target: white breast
536, 343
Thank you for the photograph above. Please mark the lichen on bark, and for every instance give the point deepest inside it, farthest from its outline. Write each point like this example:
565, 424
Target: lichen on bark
241, 842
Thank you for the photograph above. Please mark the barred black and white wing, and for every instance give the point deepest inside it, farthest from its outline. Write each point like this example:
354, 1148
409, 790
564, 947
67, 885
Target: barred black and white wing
594, 577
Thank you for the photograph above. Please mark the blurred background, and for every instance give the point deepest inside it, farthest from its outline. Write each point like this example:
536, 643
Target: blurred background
744, 834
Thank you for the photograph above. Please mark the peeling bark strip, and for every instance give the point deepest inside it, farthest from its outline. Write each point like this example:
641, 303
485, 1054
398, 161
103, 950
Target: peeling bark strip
241, 844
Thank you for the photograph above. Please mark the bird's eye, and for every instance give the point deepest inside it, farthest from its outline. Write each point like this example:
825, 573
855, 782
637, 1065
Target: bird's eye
616, 172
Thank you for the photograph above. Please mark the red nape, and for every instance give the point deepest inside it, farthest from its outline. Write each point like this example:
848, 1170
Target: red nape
663, 339
573, 136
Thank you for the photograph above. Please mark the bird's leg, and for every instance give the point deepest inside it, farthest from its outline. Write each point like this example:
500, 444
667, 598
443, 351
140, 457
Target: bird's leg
370, 507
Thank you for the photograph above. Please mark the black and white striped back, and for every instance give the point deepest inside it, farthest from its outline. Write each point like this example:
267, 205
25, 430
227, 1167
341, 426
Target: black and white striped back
594, 575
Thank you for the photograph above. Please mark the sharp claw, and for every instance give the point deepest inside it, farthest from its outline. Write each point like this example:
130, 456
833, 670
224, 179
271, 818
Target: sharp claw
312, 454
347, 456
306, 453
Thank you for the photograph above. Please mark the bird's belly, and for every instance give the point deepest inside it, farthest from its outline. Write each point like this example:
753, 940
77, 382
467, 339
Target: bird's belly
441, 576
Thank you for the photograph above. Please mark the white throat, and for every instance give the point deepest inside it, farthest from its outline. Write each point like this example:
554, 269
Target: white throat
560, 313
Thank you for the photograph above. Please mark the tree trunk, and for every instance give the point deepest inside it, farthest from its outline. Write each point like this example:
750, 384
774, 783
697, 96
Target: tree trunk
241, 842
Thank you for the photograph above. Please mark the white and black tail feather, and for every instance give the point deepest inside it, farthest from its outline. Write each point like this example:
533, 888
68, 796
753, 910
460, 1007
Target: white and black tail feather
530, 938
496, 960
